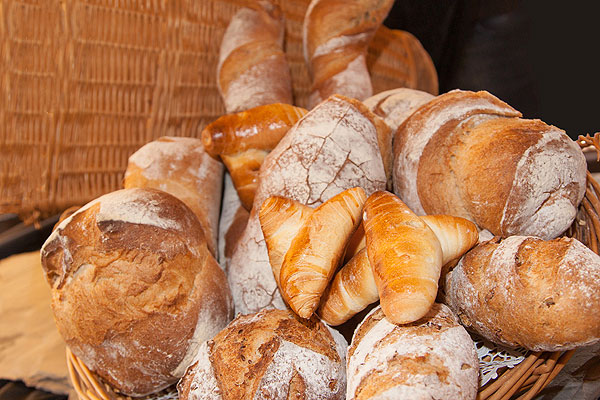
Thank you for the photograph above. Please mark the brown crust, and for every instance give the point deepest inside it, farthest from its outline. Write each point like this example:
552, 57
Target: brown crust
525, 291
127, 296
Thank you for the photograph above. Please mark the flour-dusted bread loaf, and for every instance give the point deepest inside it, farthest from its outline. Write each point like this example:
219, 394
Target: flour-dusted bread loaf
252, 68
335, 37
432, 358
269, 355
232, 223
336, 146
180, 166
395, 105
135, 290
529, 292
470, 155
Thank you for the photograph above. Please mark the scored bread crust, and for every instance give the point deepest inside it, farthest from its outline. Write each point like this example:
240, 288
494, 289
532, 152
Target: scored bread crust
529, 292
317, 159
269, 355
134, 288
433, 358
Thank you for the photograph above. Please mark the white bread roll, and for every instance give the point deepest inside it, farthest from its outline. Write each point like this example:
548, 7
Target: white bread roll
181, 167
432, 358
524, 291
336, 146
135, 290
469, 154
269, 355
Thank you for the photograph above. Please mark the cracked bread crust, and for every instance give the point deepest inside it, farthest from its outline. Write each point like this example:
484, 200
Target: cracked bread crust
135, 288
432, 358
272, 354
336, 146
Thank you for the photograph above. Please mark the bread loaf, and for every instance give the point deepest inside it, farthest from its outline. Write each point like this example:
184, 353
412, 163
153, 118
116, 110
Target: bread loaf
181, 167
269, 355
252, 68
335, 36
470, 155
232, 223
433, 358
336, 146
135, 290
242, 140
529, 292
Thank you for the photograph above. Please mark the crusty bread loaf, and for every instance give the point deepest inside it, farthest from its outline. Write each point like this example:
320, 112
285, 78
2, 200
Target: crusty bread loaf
525, 291
395, 105
433, 358
135, 290
468, 154
252, 68
181, 167
242, 141
336, 35
269, 355
232, 222
335, 146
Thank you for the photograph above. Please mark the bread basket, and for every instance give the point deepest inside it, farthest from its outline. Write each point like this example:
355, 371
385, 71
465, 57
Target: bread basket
523, 381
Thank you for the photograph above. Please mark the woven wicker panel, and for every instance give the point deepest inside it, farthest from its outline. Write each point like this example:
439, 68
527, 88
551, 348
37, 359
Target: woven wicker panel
83, 84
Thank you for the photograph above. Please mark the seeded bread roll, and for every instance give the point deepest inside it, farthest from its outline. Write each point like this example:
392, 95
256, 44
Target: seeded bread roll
432, 358
269, 355
470, 155
181, 167
529, 292
135, 290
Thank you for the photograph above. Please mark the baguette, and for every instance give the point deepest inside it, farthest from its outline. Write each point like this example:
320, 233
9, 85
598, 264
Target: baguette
252, 68
336, 35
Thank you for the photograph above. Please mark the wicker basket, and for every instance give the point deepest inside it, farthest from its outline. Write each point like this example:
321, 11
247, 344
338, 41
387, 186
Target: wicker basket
84, 84
522, 382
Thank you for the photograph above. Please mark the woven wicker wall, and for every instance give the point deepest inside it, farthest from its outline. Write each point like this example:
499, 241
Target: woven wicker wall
83, 84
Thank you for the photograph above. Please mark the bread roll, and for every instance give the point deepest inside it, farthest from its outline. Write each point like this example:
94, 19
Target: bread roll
335, 36
433, 358
135, 290
468, 154
336, 146
242, 141
252, 68
395, 105
269, 355
181, 167
525, 291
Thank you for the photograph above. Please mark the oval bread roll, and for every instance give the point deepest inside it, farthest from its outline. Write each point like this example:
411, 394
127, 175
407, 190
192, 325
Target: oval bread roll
529, 292
135, 290
433, 358
269, 355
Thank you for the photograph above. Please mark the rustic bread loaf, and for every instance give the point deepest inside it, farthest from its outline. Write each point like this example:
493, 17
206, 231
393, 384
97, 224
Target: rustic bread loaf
468, 154
181, 167
336, 146
529, 292
335, 37
269, 355
232, 223
252, 68
135, 290
433, 358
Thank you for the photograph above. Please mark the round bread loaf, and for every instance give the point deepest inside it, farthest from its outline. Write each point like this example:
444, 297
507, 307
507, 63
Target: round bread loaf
135, 290
524, 291
181, 167
469, 154
432, 358
269, 355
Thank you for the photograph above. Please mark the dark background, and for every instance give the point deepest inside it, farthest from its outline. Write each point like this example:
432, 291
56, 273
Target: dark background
541, 57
